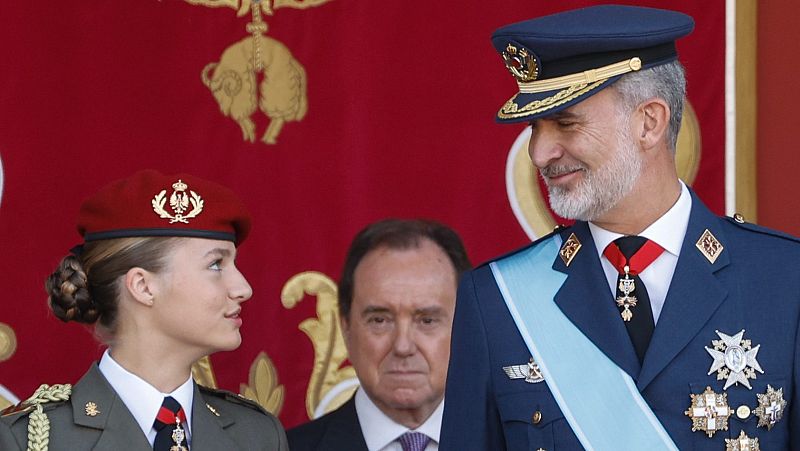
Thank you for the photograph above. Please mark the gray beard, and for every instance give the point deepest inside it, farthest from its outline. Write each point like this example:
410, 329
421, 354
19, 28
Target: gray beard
599, 190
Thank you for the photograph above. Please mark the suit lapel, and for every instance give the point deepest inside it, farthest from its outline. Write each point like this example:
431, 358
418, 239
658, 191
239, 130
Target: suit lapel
208, 428
114, 422
694, 295
586, 301
343, 430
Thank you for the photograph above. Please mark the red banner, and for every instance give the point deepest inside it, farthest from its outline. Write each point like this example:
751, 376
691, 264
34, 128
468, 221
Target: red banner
324, 115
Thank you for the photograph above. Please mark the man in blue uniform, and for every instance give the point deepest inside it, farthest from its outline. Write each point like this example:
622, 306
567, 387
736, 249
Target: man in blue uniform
649, 324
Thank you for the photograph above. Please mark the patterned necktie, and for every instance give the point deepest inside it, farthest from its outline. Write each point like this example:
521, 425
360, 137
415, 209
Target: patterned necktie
630, 255
170, 435
414, 441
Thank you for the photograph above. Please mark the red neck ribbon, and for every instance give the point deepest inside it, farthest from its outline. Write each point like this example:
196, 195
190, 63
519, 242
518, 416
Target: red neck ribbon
647, 254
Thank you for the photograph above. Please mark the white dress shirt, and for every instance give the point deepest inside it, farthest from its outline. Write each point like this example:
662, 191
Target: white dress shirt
142, 399
668, 232
381, 432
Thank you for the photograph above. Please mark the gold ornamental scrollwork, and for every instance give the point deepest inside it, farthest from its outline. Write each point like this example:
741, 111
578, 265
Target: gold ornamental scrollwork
203, 373
263, 385
8, 345
258, 72
330, 384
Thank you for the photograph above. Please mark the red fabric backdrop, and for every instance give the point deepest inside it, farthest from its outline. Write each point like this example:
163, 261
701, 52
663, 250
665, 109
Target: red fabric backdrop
401, 98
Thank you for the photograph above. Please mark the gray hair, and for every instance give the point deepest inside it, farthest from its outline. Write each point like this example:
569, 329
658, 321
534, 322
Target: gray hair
665, 81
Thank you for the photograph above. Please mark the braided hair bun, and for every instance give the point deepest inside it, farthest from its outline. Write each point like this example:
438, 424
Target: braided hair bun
68, 291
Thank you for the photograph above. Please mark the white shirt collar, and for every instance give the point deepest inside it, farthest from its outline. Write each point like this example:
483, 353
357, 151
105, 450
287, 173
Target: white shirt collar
142, 399
667, 231
379, 430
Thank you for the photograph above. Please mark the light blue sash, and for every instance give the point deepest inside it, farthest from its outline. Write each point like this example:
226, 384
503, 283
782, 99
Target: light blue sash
599, 400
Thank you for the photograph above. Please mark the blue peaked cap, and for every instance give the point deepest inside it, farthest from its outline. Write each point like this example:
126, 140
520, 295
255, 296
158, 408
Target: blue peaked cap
564, 58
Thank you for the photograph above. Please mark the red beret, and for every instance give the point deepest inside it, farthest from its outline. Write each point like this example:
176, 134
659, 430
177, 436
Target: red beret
152, 204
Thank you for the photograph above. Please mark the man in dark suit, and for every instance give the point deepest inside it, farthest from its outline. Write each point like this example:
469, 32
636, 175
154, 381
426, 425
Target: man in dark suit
651, 323
396, 302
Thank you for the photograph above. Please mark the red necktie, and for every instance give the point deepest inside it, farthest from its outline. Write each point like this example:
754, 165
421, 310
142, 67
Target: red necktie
630, 255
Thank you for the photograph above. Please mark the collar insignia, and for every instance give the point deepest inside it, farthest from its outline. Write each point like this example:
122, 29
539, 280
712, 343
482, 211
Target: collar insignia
91, 409
530, 371
521, 62
570, 249
709, 246
709, 412
770, 407
742, 443
212, 409
734, 359
179, 202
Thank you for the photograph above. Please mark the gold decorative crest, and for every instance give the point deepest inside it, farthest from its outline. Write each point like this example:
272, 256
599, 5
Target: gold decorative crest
234, 79
742, 443
709, 412
179, 202
521, 62
570, 249
709, 246
770, 407
263, 384
91, 409
329, 380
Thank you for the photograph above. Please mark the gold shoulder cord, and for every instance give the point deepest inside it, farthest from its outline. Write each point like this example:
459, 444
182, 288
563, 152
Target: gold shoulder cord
38, 423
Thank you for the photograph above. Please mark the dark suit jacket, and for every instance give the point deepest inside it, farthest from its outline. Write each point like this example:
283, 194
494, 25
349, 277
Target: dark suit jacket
220, 421
336, 431
754, 285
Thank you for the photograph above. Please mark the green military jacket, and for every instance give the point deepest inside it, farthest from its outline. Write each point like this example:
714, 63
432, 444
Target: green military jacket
95, 418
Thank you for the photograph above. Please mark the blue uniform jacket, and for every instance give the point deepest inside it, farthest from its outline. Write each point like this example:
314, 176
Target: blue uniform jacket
753, 285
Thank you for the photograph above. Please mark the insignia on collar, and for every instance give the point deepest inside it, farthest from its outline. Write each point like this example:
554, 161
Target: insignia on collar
91, 409
212, 409
742, 443
709, 246
530, 371
570, 249
770, 407
709, 412
734, 359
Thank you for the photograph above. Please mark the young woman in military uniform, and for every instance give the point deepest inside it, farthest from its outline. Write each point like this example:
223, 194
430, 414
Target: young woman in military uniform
156, 276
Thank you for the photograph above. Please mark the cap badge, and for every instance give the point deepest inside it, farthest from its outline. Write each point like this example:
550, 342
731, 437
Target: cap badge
521, 62
570, 249
709, 412
179, 202
734, 359
531, 372
742, 443
709, 246
770, 407
91, 409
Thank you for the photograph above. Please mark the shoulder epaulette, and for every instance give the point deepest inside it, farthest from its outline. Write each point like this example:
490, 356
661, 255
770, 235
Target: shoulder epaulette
739, 221
232, 397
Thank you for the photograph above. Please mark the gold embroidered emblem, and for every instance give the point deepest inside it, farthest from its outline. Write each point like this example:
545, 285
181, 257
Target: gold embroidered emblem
570, 249
734, 359
212, 409
742, 443
521, 62
709, 246
91, 409
234, 79
770, 407
709, 412
179, 201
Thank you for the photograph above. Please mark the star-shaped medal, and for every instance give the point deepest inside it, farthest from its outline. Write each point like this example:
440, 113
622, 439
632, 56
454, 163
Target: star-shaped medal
734, 359
770, 407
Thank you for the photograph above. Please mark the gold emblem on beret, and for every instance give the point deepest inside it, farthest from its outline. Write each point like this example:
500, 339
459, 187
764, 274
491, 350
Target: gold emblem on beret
570, 249
770, 407
521, 62
709, 412
709, 246
742, 443
91, 409
179, 202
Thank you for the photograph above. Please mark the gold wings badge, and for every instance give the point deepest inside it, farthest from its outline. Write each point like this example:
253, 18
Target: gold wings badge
258, 72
